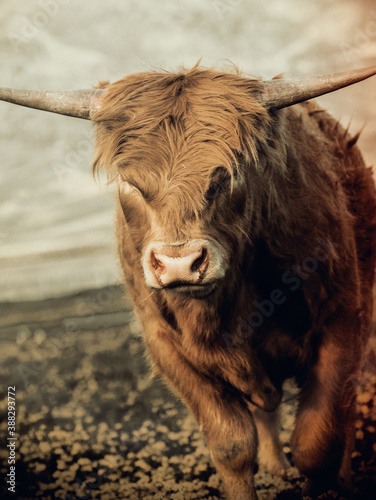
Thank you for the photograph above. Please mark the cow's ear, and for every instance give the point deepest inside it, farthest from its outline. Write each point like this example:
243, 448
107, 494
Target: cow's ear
126, 187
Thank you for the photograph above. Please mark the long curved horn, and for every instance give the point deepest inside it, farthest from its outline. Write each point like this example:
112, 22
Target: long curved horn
281, 93
77, 103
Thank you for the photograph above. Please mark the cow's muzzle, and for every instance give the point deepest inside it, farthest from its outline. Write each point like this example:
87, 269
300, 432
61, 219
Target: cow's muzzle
191, 268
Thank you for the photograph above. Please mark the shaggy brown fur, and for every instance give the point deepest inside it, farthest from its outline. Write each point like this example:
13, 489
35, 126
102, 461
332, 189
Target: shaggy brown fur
287, 197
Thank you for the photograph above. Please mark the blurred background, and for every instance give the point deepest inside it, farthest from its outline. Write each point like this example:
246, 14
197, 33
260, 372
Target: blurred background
56, 222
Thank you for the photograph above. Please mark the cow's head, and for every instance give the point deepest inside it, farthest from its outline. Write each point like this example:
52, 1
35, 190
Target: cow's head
181, 147
185, 151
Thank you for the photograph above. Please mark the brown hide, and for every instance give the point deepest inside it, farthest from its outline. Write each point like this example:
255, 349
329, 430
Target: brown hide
284, 209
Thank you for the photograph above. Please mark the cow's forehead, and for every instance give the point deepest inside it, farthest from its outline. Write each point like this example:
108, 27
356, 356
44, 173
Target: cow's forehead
158, 154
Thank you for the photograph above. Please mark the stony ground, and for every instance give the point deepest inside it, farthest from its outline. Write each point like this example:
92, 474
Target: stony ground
92, 424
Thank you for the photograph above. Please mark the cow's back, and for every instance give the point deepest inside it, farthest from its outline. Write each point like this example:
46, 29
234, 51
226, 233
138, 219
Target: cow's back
358, 182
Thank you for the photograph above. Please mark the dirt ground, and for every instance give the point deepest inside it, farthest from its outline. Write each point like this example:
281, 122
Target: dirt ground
93, 424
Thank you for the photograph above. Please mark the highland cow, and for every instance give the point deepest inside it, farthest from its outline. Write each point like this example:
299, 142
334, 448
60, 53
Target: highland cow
246, 232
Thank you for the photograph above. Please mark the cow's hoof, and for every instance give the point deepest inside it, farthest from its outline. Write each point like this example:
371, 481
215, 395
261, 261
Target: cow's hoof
275, 465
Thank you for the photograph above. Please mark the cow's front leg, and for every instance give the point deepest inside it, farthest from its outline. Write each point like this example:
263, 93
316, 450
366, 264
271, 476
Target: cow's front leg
232, 440
323, 436
270, 454
223, 416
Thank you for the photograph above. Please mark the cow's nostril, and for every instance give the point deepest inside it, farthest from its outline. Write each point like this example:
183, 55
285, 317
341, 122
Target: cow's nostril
155, 263
200, 263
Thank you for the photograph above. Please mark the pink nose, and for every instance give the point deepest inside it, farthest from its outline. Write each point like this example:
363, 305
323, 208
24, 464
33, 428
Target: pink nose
179, 268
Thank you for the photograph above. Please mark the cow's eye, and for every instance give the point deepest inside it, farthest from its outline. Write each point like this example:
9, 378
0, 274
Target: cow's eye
220, 180
127, 188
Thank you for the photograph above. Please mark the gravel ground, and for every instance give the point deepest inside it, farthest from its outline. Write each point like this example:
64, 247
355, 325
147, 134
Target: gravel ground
92, 424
